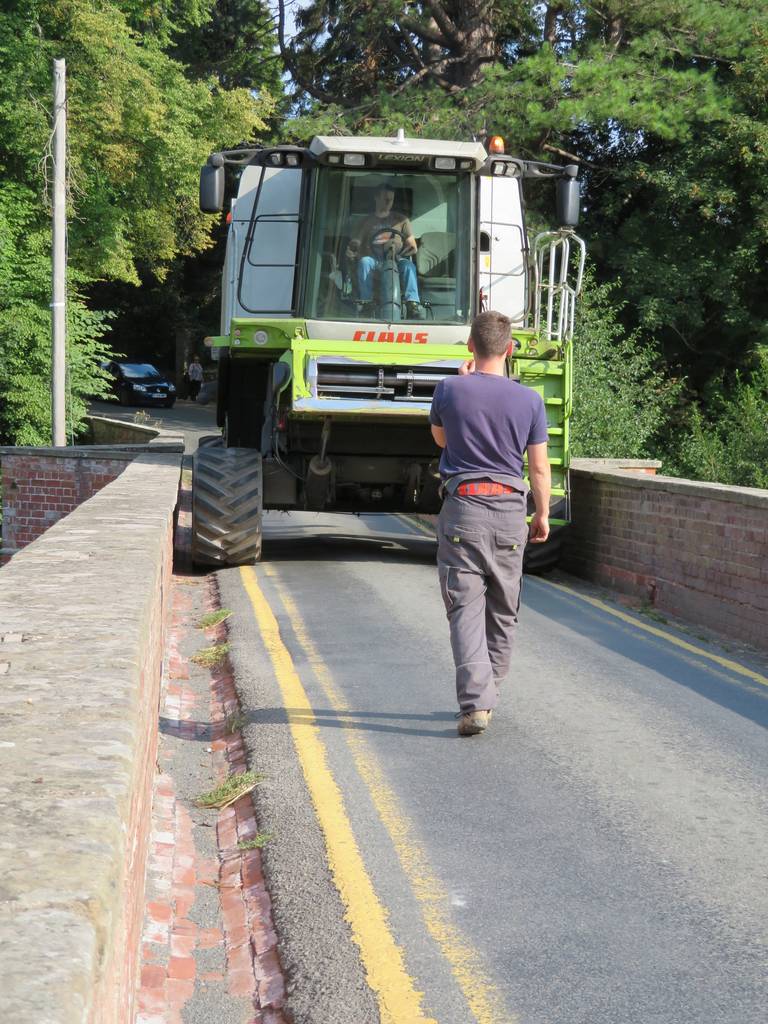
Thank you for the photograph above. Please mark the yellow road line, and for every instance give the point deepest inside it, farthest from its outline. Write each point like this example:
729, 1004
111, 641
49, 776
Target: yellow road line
483, 999
417, 523
399, 1002
732, 666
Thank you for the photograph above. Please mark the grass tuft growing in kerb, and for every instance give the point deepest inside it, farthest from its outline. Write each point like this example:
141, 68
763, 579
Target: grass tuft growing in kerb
234, 722
214, 618
210, 657
229, 790
256, 843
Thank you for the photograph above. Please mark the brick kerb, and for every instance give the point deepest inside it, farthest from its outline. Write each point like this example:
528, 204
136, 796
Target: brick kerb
80, 696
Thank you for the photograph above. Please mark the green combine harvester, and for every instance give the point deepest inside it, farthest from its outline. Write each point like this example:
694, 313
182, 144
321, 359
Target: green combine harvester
353, 269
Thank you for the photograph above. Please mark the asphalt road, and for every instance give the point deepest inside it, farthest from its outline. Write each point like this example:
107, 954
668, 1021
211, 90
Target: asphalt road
598, 857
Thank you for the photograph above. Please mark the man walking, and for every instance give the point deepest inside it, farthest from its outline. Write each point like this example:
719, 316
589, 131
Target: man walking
485, 422
195, 372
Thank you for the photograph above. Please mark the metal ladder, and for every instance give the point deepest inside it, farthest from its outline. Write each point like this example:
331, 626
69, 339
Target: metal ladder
558, 261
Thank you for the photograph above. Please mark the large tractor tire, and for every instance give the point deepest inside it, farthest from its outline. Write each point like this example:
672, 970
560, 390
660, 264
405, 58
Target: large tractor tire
227, 498
541, 558
210, 441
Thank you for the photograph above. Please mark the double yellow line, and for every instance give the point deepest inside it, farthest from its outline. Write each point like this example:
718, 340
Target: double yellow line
383, 959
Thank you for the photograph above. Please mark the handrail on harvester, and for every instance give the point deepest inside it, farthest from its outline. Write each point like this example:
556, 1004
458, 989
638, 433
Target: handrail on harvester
555, 297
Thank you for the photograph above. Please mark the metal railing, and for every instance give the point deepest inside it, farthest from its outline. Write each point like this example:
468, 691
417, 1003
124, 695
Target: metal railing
558, 259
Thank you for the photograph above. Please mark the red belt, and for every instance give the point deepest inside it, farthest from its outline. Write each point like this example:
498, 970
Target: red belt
486, 488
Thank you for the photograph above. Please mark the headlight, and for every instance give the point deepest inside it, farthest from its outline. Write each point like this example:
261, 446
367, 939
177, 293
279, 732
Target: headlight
171, 387
139, 387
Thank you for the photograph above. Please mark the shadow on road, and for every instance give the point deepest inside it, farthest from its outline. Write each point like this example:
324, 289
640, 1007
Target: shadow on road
366, 721
203, 732
337, 546
694, 672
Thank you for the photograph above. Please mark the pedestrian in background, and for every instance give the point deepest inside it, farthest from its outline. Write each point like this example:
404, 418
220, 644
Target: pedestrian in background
195, 373
485, 422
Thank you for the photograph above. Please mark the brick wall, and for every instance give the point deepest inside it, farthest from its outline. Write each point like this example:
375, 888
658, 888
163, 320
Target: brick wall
116, 983
40, 486
81, 647
696, 550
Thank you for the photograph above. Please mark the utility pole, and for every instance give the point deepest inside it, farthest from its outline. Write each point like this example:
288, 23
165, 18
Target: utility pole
58, 305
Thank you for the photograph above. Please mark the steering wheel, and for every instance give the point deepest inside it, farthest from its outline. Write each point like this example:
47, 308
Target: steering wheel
381, 229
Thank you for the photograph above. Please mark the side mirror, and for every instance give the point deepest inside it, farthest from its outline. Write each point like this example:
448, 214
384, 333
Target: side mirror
212, 185
567, 198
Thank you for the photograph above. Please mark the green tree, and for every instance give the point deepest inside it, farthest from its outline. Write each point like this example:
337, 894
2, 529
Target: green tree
726, 437
623, 401
139, 129
236, 49
663, 103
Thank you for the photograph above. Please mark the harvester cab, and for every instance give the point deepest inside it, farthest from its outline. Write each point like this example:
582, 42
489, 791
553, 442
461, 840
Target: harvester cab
353, 269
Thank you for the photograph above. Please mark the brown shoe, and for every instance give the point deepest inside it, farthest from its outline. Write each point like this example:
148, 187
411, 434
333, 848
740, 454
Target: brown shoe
473, 722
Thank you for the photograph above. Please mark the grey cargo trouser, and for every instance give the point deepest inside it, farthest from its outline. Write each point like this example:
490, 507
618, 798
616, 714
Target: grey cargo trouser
480, 564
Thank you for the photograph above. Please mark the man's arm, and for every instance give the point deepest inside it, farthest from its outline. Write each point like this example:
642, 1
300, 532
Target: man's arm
439, 435
356, 244
540, 476
409, 242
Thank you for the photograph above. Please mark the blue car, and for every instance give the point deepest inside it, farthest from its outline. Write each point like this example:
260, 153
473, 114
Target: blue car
140, 384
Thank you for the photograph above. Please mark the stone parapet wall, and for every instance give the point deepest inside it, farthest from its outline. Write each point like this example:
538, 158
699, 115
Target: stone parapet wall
82, 620
105, 430
696, 550
42, 485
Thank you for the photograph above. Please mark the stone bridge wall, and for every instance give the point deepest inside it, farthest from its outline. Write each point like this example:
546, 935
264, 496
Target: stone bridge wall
696, 550
42, 485
82, 621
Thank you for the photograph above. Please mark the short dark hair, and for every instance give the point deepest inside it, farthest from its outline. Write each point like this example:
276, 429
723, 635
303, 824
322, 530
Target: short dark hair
491, 333
386, 186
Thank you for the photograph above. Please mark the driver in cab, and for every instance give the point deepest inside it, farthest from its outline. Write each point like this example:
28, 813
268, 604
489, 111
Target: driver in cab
383, 230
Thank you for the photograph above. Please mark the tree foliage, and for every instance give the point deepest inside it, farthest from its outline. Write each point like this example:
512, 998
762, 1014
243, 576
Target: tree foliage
621, 397
727, 435
139, 126
663, 103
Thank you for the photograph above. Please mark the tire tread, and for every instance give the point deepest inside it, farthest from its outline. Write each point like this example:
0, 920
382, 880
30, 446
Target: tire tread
227, 498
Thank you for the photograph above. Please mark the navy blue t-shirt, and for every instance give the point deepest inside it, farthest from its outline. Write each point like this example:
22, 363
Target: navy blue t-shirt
489, 421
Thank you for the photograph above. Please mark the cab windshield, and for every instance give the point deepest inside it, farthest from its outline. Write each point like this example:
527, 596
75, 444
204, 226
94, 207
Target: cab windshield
389, 246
